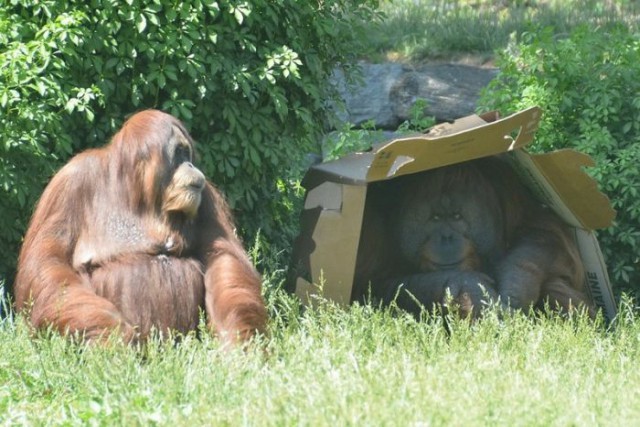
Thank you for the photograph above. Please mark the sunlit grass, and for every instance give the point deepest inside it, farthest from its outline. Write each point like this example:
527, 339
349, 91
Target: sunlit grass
427, 29
335, 366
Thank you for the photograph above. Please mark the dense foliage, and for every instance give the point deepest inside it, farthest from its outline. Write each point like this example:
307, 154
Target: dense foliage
247, 77
588, 86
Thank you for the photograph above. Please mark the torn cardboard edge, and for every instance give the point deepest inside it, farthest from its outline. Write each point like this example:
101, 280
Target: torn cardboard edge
327, 247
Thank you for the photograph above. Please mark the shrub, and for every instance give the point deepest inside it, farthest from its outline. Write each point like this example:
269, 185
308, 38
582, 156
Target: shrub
588, 86
248, 78
349, 139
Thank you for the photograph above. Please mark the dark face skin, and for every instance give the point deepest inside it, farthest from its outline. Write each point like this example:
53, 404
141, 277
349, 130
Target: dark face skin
184, 192
448, 227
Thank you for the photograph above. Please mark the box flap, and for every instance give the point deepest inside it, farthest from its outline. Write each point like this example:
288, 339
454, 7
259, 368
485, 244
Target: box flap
559, 181
465, 139
351, 169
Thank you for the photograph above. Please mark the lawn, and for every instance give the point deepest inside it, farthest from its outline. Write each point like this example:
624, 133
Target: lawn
331, 366
419, 30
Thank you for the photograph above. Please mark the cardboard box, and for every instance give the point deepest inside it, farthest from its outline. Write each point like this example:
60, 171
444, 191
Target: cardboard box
324, 258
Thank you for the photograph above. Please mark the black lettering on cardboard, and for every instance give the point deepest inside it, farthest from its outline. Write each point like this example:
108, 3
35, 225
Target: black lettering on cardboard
595, 289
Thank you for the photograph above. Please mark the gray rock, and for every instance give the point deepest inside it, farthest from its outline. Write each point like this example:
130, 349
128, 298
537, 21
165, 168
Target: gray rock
369, 100
387, 92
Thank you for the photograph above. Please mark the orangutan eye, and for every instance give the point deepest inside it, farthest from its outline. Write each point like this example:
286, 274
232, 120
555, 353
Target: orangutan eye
182, 154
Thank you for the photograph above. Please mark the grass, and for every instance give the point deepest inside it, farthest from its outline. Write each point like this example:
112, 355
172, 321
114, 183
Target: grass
417, 30
330, 366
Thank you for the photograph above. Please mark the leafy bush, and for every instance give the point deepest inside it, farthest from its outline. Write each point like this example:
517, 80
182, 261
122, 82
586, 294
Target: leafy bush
248, 78
588, 86
349, 139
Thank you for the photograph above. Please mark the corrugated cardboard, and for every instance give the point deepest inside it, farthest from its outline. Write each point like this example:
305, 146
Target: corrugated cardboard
326, 250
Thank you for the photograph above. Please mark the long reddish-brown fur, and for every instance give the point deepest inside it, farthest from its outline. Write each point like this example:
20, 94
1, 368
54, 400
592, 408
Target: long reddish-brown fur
116, 243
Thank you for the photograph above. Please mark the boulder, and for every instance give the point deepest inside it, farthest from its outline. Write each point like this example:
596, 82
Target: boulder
387, 91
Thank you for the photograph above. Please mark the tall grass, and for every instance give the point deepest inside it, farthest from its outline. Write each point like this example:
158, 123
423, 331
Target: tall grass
331, 366
419, 29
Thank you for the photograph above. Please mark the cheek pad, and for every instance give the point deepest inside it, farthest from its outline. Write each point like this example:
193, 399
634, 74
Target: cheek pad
413, 229
482, 222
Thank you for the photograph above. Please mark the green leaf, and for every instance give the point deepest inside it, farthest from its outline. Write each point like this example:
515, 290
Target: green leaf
254, 156
237, 13
185, 113
141, 23
153, 19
